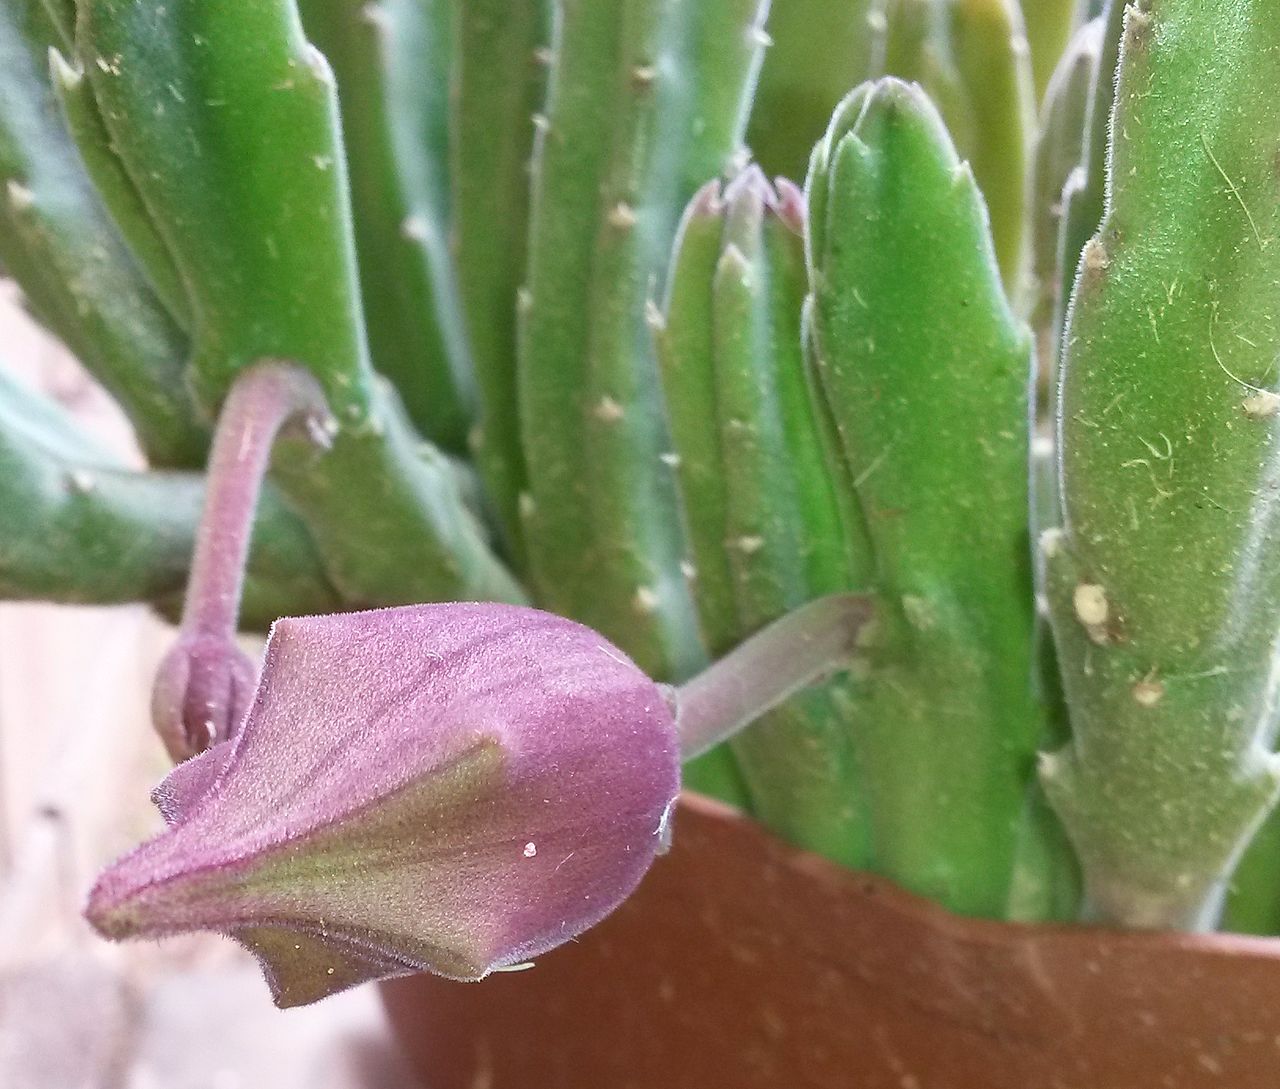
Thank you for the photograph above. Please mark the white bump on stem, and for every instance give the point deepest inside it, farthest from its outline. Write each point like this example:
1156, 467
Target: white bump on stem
608, 410
1091, 605
1095, 256
1148, 692
1261, 405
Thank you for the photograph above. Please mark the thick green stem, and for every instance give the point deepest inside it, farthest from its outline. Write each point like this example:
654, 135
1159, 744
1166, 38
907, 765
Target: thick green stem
924, 371
1163, 586
392, 61
115, 187
245, 174
58, 240
491, 142
758, 504
647, 101
93, 531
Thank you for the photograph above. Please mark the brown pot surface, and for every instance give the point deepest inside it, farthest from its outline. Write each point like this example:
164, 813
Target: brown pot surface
742, 963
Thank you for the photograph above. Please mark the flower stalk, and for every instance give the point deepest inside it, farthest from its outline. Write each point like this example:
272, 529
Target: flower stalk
204, 683
790, 654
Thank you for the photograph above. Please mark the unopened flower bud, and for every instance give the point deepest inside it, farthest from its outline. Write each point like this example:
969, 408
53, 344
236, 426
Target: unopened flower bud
202, 690
451, 788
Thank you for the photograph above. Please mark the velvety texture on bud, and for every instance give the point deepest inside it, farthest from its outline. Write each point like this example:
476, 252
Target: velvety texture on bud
449, 788
202, 690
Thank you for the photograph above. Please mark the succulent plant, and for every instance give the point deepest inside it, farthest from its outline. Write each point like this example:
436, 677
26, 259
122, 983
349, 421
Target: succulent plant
990, 394
760, 510
1161, 580
392, 758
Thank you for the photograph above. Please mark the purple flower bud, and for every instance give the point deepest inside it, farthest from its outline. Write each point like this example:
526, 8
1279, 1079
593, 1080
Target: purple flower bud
202, 690
451, 788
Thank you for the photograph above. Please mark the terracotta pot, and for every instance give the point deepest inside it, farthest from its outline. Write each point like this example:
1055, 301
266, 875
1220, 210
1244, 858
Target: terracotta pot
744, 964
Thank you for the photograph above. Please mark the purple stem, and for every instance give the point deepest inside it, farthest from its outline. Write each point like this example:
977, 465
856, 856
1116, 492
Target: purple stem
204, 684
775, 663
261, 401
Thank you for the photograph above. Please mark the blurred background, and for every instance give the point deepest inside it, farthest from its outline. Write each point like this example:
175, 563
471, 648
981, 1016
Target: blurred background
77, 760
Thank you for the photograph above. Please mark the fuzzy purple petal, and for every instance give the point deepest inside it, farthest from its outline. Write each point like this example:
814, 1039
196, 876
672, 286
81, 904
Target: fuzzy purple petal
177, 793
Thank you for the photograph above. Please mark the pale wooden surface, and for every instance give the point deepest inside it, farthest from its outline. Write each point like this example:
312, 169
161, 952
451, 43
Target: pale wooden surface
77, 760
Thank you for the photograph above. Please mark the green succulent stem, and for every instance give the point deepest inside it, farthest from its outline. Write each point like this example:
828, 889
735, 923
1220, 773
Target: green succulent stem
646, 101
115, 187
492, 130
757, 502
245, 174
59, 242
928, 443
1163, 591
392, 61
